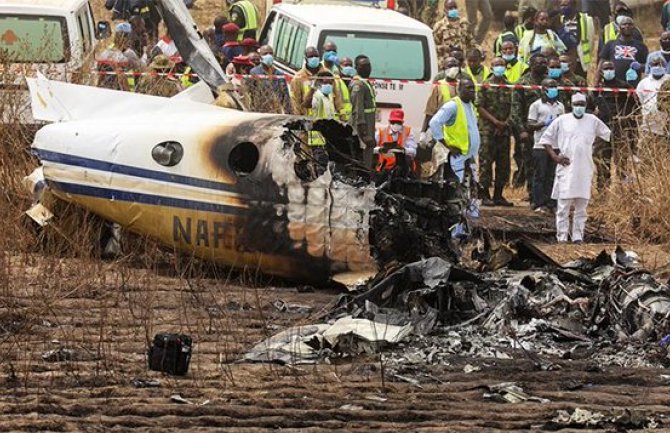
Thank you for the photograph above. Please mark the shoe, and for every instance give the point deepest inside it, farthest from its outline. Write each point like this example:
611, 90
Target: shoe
487, 202
501, 201
539, 210
578, 242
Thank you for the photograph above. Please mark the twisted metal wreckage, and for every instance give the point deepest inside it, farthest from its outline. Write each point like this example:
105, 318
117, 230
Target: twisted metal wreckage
239, 189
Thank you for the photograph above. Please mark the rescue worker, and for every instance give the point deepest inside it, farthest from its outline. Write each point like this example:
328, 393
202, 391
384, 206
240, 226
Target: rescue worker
139, 38
573, 135
610, 31
363, 107
149, 12
231, 47
514, 69
474, 69
451, 31
301, 82
507, 35
540, 38
249, 45
442, 92
342, 81
321, 107
654, 122
219, 22
160, 81
396, 147
663, 52
568, 69
330, 59
114, 65
495, 110
581, 26
245, 15
484, 8
616, 110
521, 100
269, 95
527, 18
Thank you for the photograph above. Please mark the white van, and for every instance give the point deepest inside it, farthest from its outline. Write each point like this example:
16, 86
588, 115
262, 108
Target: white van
56, 37
399, 47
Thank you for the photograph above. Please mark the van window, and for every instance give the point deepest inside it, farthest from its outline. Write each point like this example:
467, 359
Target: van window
266, 34
291, 42
393, 56
83, 20
34, 39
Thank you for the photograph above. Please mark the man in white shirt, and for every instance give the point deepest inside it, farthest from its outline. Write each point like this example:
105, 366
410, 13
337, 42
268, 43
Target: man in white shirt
573, 135
653, 120
541, 114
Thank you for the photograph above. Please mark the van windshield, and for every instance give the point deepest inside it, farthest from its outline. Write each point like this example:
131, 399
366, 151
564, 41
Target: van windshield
33, 39
393, 56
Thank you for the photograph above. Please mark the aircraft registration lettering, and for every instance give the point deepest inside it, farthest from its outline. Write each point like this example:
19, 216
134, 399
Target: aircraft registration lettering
204, 233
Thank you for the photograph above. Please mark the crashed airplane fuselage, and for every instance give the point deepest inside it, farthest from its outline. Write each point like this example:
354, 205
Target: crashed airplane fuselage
224, 185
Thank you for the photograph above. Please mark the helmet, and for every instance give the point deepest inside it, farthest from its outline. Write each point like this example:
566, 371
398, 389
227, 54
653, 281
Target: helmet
397, 115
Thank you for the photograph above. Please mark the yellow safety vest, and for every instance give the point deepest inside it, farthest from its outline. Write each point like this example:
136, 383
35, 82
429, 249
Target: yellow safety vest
485, 74
584, 41
250, 17
519, 31
372, 109
513, 73
457, 135
185, 79
610, 33
497, 45
445, 91
345, 111
315, 138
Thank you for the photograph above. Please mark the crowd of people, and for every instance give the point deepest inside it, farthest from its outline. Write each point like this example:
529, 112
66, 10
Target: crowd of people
529, 91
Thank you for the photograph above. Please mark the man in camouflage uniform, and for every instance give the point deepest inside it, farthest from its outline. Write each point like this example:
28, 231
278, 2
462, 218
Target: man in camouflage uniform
451, 31
521, 100
428, 13
157, 82
495, 120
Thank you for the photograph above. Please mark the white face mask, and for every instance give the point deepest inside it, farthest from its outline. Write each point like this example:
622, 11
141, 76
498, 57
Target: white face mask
452, 73
396, 127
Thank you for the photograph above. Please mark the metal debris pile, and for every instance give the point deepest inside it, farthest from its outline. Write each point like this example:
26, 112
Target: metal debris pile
522, 304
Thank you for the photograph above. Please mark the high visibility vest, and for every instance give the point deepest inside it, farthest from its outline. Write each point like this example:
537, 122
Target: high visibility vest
315, 138
497, 45
185, 79
485, 74
372, 109
513, 73
610, 32
130, 73
445, 91
388, 161
457, 135
519, 31
345, 110
584, 40
250, 17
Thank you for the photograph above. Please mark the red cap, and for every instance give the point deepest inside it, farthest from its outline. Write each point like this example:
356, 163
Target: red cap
242, 60
249, 42
230, 28
397, 115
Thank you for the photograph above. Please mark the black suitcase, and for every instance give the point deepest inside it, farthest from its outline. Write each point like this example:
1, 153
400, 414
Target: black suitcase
170, 353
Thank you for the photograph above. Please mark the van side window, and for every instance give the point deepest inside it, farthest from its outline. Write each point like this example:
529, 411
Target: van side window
267, 29
291, 42
84, 28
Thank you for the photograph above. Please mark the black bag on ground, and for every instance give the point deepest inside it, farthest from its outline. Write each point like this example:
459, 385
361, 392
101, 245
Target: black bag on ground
170, 353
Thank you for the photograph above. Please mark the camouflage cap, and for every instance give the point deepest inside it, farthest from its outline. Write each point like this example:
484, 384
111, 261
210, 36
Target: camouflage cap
161, 62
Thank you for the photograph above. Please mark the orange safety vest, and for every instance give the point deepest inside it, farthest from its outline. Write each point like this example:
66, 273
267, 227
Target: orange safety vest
387, 161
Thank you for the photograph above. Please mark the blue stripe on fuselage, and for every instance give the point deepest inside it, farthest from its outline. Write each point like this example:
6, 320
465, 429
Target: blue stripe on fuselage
94, 164
115, 194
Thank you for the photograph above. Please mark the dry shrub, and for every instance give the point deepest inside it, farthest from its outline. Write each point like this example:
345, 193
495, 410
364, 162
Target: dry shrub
637, 208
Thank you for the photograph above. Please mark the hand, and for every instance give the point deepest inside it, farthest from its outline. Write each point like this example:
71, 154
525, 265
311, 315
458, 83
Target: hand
636, 65
563, 160
631, 75
524, 136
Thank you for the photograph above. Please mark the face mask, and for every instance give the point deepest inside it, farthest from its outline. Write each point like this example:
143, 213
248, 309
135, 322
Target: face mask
312, 62
657, 71
609, 74
565, 67
555, 73
509, 57
267, 59
326, 89
330, 56
348, 71
452, 72
396, 127
452, 13
499, 71
552, 93
578, 111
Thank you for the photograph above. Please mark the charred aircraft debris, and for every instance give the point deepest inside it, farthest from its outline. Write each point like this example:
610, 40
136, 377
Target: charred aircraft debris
607, 310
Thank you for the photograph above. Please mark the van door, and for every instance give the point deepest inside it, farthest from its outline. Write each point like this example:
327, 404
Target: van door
290, 43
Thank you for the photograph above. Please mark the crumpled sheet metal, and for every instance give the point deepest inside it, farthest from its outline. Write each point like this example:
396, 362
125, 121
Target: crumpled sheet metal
309, 344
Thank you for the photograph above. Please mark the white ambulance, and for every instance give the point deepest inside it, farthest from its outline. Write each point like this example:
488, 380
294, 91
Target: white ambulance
401, 49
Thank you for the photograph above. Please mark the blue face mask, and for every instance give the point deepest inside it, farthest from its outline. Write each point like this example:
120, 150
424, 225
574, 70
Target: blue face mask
509, 57
578, 111
565, 67
555, 73
313, 62
452, 13
349, 71
657, 71
499, 71
330, 56
609, 74
326, 89
552, 93
267, 59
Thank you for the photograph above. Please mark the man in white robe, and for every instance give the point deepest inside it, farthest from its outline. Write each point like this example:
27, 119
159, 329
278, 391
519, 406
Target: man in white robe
569, 142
